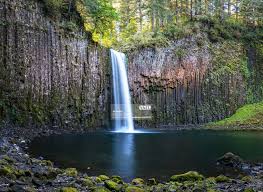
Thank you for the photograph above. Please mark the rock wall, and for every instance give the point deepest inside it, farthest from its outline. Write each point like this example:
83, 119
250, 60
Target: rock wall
183, 84
50, 75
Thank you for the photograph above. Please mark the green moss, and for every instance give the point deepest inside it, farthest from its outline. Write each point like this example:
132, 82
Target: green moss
138, 181
103, 177
112, 185
98, 180
8, 159
249, 190
152, 181
88, 182
210, 182
101, 189
71, 172
6, 170
189, 176
117, 179
212, 190
247, 179
19, 173
222, 179
47, 163
68, 189
250, 114
134, 189
180, 52
3, 162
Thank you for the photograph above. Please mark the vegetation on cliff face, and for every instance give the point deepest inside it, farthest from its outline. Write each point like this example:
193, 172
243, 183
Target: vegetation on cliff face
248, 115
95, 16
149, 22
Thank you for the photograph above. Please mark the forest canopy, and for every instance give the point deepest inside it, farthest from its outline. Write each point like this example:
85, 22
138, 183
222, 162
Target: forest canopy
128, 22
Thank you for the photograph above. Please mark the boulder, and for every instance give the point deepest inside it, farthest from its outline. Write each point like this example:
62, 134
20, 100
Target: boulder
230, 160
189, 176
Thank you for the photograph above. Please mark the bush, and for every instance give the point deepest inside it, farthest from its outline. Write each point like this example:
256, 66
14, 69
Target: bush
146, 39
54, 8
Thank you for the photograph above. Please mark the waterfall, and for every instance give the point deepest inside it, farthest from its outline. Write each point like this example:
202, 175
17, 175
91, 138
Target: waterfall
122, 110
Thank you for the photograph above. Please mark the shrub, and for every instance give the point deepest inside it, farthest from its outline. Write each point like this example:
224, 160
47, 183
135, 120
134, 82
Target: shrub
54, 7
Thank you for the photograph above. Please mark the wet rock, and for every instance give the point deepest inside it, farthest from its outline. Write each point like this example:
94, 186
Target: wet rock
103, 177
249, 190
246, 178
68, 189
138, 181
117, 179
6, 170
134, 189
230, 160
189, 176
72, 172
17, 188
112, 185
87, 181
101, 189
222, 179
152, 181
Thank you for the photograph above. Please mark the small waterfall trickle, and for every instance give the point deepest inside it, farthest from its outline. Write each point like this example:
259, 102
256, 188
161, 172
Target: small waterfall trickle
122, 109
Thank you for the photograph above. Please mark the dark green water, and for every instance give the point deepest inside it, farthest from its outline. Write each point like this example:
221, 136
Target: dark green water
148, 155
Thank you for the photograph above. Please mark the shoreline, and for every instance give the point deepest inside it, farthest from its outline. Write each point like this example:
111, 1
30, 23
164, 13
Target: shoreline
20, 171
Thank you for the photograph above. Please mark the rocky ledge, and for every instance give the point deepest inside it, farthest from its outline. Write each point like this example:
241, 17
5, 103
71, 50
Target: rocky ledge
20, 172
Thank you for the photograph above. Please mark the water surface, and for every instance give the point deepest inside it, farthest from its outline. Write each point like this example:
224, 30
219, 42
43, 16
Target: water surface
148, 155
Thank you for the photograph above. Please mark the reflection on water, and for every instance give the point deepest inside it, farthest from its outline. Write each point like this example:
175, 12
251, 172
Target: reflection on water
123, 154
147, 155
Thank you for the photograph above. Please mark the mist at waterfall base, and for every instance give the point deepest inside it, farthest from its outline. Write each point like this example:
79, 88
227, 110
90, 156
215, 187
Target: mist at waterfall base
147, 155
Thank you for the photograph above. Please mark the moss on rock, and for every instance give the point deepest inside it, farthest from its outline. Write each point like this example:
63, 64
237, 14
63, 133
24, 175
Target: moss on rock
138, 181
101, 189
117, 179
246, 178
103, 177
87, 181
133, 189
222, 179
152, 181
68, 189
6, 170
249, 190
112, 185
71, 172
189, 176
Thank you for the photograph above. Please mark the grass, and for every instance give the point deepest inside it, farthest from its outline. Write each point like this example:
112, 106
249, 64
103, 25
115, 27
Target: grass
248, 115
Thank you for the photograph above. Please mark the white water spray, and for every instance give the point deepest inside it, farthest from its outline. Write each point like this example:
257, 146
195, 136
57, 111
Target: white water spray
122, 101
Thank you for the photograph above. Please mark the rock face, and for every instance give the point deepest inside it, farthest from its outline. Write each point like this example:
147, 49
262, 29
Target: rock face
184, 84
49, 74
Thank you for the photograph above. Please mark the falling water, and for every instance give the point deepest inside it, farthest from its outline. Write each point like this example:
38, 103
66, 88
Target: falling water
122, 101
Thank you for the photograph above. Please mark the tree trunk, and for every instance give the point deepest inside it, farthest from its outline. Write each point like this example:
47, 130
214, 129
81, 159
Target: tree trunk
229, 8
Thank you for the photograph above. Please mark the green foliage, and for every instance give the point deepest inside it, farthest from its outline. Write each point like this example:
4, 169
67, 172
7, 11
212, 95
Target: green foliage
69, 26
102, 14
99, 18
228, 59
180, 52
54, 8
147, 39
251, 114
